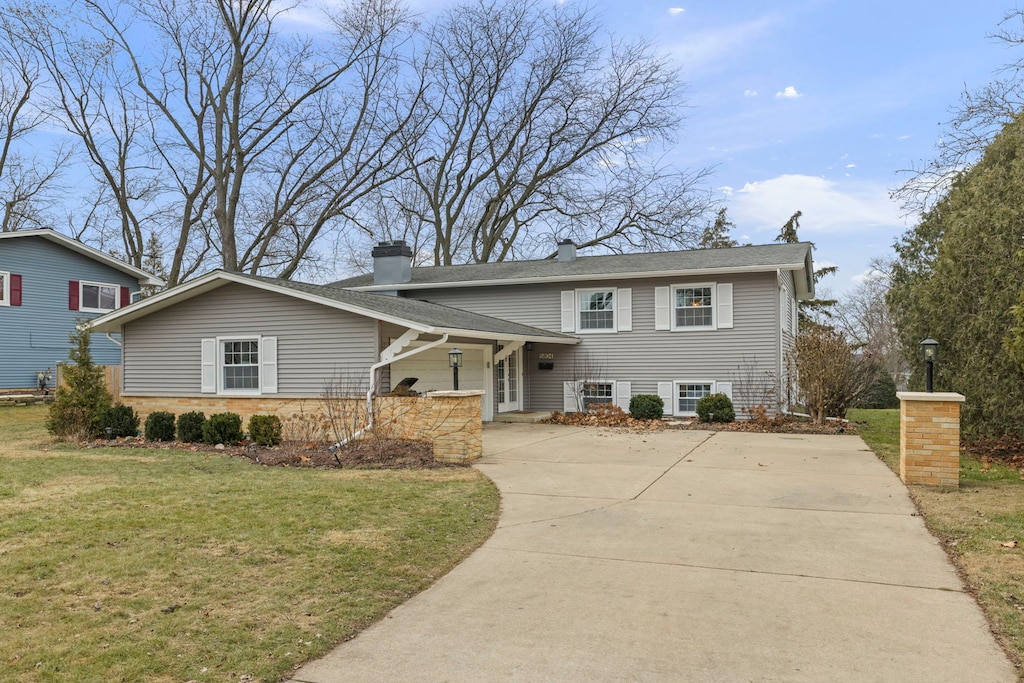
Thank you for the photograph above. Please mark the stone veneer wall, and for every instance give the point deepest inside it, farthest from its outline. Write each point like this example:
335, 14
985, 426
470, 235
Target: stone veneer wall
450, 420
930, 438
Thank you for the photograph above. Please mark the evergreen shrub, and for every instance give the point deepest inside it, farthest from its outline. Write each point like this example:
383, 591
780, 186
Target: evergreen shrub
715, 408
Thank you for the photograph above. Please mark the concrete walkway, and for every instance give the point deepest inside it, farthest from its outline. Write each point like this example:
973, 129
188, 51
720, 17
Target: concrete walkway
686, 556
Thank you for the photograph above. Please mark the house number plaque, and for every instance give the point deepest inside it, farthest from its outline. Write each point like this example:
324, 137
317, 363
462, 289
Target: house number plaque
545, 356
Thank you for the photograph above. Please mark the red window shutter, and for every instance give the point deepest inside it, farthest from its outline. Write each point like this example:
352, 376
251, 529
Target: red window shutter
73, 295
15, 290
126, 297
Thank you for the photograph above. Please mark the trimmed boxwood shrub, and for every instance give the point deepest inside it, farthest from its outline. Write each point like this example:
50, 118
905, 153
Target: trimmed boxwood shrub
225, 428
160, 426
646, 407
715, 408
122, 420
265, 430
190, 426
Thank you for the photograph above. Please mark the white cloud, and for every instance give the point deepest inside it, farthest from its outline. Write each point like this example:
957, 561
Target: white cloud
676, 10
721, 46
750, 93
789, 93
829, 206
868, 275
851, 166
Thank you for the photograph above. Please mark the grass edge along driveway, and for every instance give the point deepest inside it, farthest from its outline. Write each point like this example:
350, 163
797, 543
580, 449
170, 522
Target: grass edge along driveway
980, 524
168, 565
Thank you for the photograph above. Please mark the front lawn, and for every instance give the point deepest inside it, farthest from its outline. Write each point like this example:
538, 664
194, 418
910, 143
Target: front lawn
162, 565
981, 524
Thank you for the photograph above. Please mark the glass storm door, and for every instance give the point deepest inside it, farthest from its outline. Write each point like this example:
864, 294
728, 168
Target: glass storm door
509, 382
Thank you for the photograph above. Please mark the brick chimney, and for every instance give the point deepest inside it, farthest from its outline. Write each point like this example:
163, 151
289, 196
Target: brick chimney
392, 263
566, 251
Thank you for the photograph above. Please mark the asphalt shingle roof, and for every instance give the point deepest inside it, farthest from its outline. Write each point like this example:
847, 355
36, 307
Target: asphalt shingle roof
736, 258
416, 311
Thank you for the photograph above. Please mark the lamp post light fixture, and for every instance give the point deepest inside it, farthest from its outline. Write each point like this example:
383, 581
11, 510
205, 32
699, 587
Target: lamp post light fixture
929, 354
455, 362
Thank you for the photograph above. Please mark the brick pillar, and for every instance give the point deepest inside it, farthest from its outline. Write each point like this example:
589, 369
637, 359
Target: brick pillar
930, 438
457, 430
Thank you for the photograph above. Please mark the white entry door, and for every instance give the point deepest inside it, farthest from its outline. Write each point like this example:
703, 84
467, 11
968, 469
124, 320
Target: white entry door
510, 382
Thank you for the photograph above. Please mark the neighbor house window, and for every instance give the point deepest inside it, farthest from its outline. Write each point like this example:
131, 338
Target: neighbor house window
597, 309
687, 396
240, 365
5, 285
694, 307
597, 393
98, 298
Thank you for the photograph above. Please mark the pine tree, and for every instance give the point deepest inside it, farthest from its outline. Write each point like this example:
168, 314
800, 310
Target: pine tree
82, 400
812, 308
717, 234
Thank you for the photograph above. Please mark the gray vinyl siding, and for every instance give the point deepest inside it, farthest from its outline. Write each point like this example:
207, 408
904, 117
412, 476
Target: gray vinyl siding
644, 356
34, 336
314, 343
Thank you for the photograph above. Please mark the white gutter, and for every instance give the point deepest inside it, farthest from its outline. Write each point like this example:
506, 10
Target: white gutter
373, 382
114, 340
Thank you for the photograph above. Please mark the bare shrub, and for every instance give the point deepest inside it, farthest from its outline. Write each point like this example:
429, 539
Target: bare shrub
756, 389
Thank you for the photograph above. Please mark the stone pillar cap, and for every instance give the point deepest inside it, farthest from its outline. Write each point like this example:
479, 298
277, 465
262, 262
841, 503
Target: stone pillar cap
947, 396
460, 392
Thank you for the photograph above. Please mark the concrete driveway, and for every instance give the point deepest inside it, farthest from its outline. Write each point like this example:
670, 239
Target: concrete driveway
686, 556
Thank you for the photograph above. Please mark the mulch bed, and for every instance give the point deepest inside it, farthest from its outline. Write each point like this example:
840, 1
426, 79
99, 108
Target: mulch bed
363, 454
1008, 451
611, 416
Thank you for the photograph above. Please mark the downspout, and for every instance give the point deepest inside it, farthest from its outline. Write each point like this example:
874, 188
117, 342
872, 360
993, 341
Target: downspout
114, 340
369, 394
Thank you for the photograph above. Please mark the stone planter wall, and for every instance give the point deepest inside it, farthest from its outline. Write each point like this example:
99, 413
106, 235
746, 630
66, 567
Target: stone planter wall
449, 420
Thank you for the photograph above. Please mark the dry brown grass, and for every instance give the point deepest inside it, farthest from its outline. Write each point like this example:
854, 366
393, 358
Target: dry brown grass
165, 565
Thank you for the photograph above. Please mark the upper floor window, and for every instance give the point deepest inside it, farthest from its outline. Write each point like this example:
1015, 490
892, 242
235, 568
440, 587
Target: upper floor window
694, 307
97, 297
700, 306
597, 309
5, 289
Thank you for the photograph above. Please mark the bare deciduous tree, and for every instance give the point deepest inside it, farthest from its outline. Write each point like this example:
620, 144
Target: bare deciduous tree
976, 119
531, 128
26, 178
864, 317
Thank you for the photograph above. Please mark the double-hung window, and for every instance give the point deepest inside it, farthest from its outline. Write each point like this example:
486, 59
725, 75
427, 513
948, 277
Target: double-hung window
239, 365
5, 289
597, 393
698, 306
687, 396
98, 298
596, 309
694, 307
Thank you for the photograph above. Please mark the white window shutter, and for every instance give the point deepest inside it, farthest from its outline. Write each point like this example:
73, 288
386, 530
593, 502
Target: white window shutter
662, 308
570, 402
624, 304
208, 381
623, 394
724, 305
665, 393
724, 388
268, 365
568, 311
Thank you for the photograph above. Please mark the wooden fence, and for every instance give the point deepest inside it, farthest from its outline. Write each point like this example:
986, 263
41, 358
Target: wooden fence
111, 375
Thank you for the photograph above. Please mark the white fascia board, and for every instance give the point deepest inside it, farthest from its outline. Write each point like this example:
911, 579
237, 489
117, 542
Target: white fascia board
579, 278
143, 276
500, 336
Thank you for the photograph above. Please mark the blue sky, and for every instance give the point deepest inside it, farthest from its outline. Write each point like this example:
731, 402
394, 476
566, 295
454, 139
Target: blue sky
817, 105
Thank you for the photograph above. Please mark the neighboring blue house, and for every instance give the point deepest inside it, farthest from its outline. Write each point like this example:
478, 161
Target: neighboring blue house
49, 283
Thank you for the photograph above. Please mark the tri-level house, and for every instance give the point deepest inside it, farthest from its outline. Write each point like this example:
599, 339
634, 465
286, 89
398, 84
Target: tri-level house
48, 284
541, 335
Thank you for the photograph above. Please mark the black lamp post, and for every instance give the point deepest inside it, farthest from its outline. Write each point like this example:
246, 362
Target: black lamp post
455, 362
929, 354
